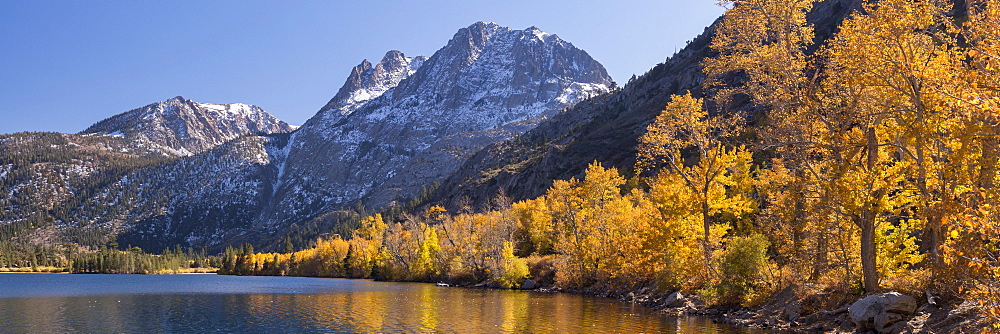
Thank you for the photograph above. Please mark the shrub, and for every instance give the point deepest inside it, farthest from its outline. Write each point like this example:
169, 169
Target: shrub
542, 269
743, 267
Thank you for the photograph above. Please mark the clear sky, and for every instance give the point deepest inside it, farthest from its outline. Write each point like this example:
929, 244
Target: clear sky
67, 64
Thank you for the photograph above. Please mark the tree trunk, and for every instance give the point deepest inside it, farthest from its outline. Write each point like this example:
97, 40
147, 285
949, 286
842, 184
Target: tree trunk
869, 269
705, 222
820, 263
934, 238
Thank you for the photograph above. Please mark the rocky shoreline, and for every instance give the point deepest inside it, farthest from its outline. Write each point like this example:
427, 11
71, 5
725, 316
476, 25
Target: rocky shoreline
811, 309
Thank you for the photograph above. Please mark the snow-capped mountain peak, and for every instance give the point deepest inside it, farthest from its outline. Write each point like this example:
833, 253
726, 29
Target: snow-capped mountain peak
407, 122
538, 33
367, 82
182, 127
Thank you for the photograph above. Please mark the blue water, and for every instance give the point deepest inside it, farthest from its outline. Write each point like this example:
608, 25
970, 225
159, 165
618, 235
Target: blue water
60, 303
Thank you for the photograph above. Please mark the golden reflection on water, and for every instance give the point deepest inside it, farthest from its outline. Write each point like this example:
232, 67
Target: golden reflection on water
346, 307
428, 309
425, 308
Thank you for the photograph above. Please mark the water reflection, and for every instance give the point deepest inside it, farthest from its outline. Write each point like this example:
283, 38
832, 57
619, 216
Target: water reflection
328, 305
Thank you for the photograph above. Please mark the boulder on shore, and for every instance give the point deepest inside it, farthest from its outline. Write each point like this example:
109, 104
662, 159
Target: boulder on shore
883, 312
675, 299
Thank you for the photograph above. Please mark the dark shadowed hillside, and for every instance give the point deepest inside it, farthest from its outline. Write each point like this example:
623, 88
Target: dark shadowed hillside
604, 129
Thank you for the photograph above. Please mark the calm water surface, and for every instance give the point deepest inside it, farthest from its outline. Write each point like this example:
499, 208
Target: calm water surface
52, 303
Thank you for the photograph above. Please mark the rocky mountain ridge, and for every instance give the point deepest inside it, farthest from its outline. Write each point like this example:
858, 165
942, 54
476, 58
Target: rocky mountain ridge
183, 127
367, 82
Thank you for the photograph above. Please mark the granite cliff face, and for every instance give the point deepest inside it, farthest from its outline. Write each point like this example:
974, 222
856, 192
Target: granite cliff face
376, 144
183, 127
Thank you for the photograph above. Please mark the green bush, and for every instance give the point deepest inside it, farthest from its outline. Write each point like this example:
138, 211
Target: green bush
743, 267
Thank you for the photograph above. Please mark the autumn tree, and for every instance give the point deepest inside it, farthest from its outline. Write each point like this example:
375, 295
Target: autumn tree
766, 42
582, 213
970, 253
691, 145
513, 270
367, 251
534, 219
764, 53
892, 142
669, 227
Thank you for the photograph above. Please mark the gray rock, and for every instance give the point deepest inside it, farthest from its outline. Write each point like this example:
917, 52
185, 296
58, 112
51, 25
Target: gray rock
675, 299
529, 285
367, 82
792, 311
881, 312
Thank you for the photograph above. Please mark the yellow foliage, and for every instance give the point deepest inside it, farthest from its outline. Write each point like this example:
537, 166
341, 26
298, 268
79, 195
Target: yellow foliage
515, 270
882, 140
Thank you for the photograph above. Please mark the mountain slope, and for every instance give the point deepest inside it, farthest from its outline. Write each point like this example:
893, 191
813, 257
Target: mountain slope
44, 177
84, 188
193, 201
183, 127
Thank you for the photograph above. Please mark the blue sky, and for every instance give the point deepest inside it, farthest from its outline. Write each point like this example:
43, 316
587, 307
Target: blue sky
67, 64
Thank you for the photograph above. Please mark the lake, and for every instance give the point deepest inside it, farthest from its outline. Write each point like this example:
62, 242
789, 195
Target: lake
60, 303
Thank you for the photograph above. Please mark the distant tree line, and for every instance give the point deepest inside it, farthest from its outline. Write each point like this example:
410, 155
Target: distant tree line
108, 259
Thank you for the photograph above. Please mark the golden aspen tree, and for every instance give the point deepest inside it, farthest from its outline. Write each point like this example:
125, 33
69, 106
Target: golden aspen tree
329, 257
578, 212
620, 236
715, 174
426, 266
862, 172
471, 249
765, 40
371, 254
358, 262
514, 271
970, 250
670, 246
911, 44
794, 219
401, 244
534, 218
